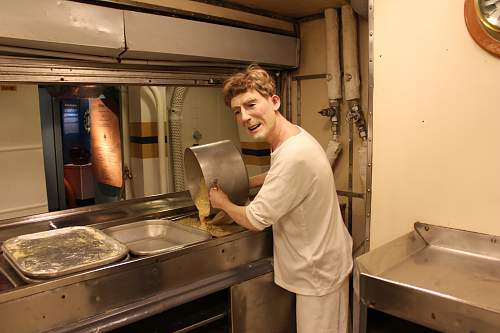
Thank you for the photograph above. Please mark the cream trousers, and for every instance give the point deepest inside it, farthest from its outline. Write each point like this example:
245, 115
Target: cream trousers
322, 314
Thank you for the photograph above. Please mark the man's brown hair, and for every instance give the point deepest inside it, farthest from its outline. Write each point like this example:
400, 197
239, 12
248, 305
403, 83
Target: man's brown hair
254, 77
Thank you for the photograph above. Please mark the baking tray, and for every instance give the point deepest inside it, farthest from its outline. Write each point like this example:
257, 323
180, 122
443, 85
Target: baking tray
155, 236
443, 278
33, 280
54, 253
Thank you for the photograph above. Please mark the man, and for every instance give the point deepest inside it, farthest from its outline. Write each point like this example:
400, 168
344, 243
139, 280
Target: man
312, 247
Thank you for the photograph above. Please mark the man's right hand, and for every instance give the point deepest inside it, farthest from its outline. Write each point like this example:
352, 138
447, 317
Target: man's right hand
218, 199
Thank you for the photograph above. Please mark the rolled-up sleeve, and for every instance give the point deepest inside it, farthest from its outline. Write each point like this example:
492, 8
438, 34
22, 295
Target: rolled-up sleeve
276, 198
258, 221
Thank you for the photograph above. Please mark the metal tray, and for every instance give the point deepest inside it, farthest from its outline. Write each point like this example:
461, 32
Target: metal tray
443, 278
54, 253
156, 236
32, 280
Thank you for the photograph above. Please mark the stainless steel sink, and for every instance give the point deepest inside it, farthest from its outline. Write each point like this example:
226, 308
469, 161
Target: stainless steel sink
442, 278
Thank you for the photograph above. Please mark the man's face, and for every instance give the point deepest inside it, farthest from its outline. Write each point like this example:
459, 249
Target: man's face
256, 113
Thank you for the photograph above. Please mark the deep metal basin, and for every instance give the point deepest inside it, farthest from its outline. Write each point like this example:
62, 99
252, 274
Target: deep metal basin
156, 236
442, 278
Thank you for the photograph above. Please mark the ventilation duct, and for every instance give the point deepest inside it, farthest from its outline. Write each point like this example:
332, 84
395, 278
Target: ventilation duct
65, 29
62, 26
154, 37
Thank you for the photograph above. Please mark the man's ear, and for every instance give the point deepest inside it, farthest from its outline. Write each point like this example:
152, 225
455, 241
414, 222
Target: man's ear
276, 102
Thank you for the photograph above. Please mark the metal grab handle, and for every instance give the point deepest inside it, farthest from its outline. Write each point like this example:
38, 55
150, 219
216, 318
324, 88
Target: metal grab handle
215, 185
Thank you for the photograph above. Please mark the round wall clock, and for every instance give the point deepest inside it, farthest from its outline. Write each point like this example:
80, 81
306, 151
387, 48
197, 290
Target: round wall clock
482, 18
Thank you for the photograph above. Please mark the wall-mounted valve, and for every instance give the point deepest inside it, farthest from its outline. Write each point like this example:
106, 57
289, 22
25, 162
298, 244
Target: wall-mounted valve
356, 116
332, 111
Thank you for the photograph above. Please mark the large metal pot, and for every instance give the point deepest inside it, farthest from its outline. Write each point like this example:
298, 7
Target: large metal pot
219, 162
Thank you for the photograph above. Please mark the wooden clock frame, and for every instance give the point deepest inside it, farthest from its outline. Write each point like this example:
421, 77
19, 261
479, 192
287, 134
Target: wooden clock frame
478, 31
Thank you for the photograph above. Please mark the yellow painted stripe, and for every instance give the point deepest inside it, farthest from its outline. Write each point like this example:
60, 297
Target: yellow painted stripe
256, 160
254, 145
143, 151
144, 129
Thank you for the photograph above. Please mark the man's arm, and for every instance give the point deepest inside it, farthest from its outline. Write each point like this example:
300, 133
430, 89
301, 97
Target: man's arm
257, 180
219, 200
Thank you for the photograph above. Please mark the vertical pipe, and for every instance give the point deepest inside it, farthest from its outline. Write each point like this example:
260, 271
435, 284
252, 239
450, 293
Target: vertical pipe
289, 96
349, 179
351, 82
299, 101
333, 82
126, 139
58, 148
160, 121
162, 160
332, 56
280, 89
350, 54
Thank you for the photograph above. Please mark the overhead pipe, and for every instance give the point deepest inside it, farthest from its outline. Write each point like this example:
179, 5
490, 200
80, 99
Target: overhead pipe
333, 82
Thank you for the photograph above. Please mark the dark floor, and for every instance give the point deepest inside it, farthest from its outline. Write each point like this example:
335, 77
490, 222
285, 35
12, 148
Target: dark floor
379, 322
181, 318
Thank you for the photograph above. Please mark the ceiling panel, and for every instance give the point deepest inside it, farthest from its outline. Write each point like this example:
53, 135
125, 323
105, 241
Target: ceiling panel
291, 8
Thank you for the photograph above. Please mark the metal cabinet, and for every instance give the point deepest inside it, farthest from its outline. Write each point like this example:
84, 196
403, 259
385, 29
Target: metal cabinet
259, 305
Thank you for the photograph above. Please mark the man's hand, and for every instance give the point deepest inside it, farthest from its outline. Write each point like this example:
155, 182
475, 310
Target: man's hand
218, 198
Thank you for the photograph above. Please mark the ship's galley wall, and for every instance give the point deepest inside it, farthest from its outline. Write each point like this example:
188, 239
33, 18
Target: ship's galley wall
310, 96
21, 152
436, 122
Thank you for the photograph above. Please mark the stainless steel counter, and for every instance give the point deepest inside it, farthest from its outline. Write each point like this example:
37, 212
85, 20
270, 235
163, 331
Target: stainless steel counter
120, 293
442, 278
